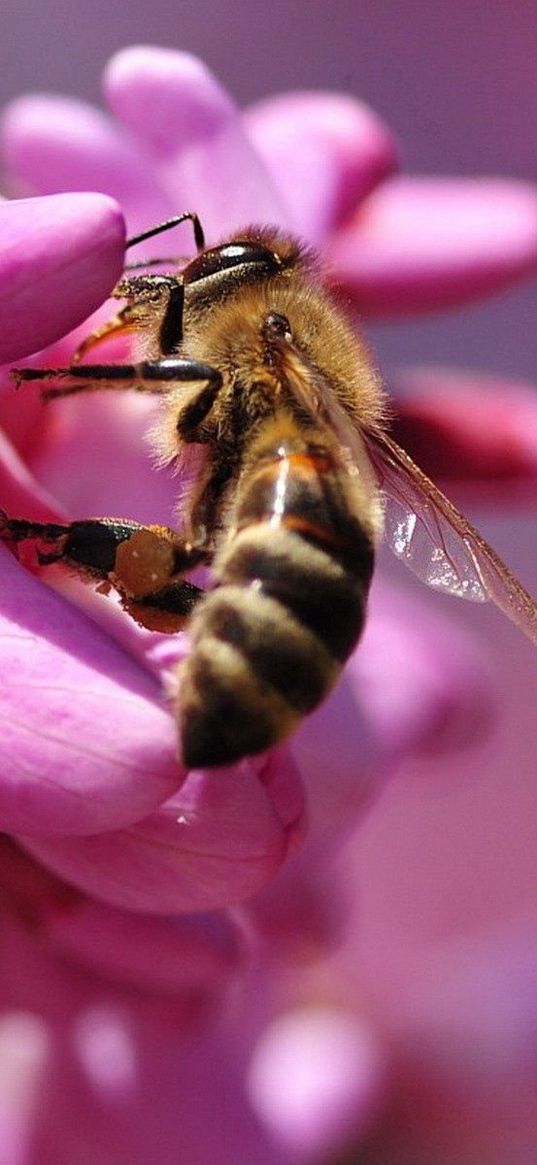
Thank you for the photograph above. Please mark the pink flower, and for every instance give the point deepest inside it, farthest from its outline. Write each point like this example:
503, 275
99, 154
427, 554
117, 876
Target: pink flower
60, 258
124, 868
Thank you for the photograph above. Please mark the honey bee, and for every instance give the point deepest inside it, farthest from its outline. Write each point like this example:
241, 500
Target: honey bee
257, 363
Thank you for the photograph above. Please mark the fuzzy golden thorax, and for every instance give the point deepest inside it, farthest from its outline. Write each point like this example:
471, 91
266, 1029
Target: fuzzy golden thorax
231, 337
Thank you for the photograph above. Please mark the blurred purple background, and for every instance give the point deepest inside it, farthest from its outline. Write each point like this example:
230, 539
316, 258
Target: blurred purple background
456, 82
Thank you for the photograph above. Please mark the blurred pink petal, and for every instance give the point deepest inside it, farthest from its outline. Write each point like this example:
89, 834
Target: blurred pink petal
192, 955
436, 693
324, 151
58, 143
25, 1049
23, 420
420, 244
20, 493
125, 1072
177, 1097
477, 431
316, 1079
301, 915
216, 842
181, 116
97, 458
60, 258
461, 1019
486, 1017
87, 741
436, 697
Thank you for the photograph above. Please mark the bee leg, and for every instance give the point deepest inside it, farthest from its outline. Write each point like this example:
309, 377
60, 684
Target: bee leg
123, 323
156, 376
142, 290
144, 564
169, 224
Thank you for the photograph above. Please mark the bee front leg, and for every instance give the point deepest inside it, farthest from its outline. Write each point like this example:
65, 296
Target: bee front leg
155, 376
144, 564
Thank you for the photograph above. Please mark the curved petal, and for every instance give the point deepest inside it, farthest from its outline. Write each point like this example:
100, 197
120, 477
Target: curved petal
175, 107
189, 956
87, 742
60, 258
418, 244
215, 843
53, 143
475, 431
324, 151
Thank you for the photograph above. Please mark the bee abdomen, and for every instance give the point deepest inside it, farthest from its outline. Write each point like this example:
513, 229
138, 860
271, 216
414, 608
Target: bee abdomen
324, 597
267, 645
253, 673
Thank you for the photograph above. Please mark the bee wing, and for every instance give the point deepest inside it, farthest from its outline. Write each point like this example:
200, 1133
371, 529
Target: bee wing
438, 543
421, 526
317, 400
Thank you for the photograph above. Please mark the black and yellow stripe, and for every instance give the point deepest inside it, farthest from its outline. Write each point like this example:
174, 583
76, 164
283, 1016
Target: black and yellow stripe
270, 641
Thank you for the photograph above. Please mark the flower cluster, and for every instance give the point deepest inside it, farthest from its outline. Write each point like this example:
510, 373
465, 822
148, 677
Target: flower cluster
122, 873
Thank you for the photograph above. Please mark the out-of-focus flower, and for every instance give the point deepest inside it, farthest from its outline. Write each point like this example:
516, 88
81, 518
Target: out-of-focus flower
476, 433
439, 1063
110, 1043
120, 857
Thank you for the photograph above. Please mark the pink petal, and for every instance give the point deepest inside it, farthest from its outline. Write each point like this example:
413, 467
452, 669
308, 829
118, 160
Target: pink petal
465, 1055
124, 1070
88, 743
324, 151
217, 842
59, 259
302, 913
414, 683
178, 1096
25, 1048
175, 107
57, 143
185, 956
316, 1080
21, 413
96, 458
419, 244
487, 1017
477, 431
21, 494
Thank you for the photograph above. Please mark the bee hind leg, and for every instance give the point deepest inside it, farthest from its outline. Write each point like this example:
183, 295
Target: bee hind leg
144, 564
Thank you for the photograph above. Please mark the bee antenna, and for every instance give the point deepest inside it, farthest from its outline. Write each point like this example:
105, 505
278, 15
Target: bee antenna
188, 216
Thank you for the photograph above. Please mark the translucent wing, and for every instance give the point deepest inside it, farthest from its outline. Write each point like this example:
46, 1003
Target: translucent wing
438, 543
421, 526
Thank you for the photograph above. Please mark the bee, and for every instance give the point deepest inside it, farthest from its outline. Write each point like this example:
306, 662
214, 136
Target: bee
257, 364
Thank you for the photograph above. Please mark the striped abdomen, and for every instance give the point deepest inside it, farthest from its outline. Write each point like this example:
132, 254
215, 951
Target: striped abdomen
293, 576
